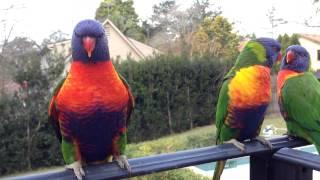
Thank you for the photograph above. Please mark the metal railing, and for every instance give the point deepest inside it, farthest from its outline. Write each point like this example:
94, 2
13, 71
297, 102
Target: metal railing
262, 162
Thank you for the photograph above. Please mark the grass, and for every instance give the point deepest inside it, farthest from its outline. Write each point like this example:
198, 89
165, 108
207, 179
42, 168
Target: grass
198, 137
277, 122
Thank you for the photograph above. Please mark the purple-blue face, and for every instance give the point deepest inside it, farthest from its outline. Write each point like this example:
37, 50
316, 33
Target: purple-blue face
296, 58
273, 48
89, 43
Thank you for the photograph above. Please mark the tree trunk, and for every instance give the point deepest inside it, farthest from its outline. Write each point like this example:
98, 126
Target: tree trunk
28, 146
189, 108
169, 114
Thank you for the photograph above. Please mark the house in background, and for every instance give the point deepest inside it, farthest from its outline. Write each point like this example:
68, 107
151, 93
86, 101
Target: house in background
63, 48
312, 43
120, 46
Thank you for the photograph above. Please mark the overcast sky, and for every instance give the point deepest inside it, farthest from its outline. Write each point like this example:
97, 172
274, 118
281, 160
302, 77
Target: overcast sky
39, 18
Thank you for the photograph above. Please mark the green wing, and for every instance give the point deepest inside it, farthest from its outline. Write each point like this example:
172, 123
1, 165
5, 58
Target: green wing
300, 98
222, 109
131, 102
252, 54
122, 141
53, 112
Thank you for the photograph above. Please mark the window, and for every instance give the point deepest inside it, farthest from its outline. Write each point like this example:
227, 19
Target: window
318, 54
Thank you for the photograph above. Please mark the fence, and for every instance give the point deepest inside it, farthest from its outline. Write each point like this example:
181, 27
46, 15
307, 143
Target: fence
278, 163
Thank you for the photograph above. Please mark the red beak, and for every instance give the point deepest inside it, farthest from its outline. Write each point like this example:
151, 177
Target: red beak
89, 44
279, 57
290, 56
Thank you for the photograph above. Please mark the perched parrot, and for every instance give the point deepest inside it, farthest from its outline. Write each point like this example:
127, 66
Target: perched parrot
299, 95
245, 95
91, 106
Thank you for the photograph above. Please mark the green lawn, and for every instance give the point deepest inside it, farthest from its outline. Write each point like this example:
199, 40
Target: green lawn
198, 137
277, 122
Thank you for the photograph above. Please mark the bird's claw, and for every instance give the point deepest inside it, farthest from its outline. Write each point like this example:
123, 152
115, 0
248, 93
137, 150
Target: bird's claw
77, 169
236, 143
264, 141
123, 162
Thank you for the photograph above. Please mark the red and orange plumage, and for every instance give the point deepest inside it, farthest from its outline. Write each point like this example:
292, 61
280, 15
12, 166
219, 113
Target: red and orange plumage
92, 92
249, 91
91, 107
257, 91
91, 86
283, 75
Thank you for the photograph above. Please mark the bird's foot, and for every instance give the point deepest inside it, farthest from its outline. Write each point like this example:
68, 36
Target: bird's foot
264, 141
236, 143
123, 162
77, 169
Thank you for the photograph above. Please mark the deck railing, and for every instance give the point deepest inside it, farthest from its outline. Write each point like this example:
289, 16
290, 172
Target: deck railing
278, 163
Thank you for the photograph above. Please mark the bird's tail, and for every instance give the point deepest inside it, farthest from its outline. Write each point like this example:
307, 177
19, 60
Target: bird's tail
218, 170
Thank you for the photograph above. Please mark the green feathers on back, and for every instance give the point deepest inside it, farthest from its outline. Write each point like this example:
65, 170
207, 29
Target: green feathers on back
301, 102
252, 54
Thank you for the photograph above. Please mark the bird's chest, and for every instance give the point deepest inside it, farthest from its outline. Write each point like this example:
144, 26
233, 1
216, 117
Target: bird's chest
251, 87
250, 94
89, 91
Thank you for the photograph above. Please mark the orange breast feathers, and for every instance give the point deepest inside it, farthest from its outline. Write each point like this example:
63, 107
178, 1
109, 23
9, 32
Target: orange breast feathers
90, 86
282, 77
250, 87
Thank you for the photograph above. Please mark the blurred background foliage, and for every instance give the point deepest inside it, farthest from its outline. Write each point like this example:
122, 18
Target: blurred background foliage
175, 91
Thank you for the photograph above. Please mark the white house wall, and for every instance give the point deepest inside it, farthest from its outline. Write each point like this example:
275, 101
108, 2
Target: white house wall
312, 48
117, 46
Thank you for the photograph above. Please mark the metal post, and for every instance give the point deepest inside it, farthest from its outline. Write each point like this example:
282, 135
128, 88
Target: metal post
285, 171
260, 166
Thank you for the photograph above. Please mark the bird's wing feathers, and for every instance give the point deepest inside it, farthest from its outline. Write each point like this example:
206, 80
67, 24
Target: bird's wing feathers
131, 102
253, 54
222, 107
301, 101
53, 112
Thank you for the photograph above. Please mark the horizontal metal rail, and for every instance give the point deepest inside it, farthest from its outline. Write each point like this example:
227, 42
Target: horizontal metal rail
163, 162
297, 157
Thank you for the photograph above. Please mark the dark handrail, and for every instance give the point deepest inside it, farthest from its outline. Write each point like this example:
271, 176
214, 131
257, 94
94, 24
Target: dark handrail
298, 157
163, 162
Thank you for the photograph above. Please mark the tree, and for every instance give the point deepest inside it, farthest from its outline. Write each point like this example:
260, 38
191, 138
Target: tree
123, 15
162, 20
286, 41
55, 37
215, 37
274, 22
173, 28
313, 21
27, 141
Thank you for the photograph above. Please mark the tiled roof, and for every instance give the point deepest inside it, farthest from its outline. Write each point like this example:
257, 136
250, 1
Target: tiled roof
312, 37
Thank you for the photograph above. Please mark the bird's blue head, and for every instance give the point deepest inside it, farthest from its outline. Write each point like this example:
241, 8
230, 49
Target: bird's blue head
89, 43
296, 58
272, 48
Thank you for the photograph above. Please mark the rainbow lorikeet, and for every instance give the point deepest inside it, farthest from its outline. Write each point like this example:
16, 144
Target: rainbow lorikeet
91, 106
299, 95
245, 95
